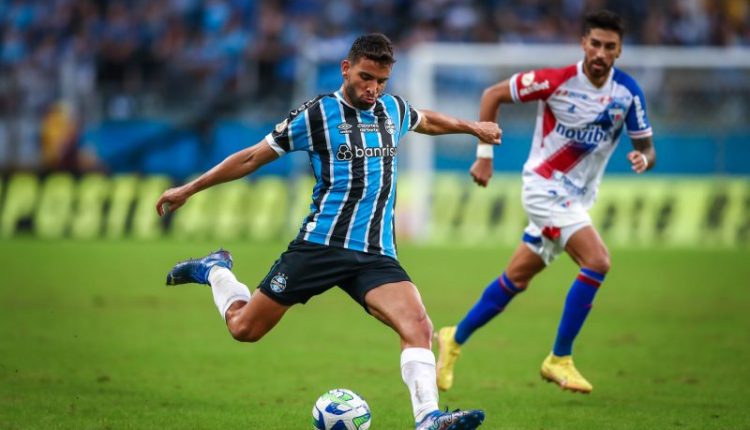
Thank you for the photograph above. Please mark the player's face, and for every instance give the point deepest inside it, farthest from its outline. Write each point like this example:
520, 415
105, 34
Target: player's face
364, 81
601, 48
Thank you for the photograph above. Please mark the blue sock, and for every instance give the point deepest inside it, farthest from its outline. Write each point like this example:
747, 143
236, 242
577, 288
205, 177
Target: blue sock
494, 299
577, 307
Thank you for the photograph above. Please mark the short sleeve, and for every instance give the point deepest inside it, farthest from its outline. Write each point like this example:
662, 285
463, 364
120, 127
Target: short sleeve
409, 118
539, 84
415, 117
636, 119
292, 133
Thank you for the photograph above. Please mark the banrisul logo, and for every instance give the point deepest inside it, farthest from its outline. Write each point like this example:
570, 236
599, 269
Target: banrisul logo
345, 153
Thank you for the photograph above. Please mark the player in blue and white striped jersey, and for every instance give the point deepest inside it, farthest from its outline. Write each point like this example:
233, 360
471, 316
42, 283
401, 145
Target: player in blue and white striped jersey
352, 137
353, 153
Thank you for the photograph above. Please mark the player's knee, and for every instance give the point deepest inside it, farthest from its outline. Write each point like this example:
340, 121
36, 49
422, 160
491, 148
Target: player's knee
520, 282
418, 329
600, 264
245, 332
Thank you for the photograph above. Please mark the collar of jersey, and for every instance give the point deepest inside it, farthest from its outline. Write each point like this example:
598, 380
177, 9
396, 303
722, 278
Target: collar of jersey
343, 100
585, 79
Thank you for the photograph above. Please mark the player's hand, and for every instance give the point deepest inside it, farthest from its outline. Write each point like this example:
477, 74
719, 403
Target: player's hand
171, 200
481, 171
638, 161
488, 132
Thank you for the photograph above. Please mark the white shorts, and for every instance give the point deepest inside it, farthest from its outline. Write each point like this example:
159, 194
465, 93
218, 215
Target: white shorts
553, 219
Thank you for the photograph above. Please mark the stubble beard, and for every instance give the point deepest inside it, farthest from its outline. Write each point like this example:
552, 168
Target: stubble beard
351, 94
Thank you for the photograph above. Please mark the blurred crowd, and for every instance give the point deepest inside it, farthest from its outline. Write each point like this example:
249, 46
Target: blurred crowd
96, 54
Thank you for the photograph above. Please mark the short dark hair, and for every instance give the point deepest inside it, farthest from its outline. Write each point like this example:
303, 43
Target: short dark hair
605, 20
375, 46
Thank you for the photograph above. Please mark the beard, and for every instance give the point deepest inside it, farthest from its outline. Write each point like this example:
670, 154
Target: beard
358, 103
598, 69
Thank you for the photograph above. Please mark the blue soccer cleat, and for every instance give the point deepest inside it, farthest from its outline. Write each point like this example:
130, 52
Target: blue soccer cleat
456, 420
196, 269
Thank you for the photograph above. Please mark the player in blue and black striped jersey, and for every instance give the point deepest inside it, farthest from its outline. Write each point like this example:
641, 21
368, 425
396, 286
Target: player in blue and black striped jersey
352, 137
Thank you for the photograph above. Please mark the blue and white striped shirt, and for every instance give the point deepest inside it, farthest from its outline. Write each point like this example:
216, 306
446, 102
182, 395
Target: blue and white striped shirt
353, 154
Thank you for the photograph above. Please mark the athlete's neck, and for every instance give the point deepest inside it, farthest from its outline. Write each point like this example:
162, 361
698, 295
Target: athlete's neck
342, 90
597, 82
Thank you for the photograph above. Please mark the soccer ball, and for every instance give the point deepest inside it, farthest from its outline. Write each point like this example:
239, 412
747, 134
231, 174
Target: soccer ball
341, 409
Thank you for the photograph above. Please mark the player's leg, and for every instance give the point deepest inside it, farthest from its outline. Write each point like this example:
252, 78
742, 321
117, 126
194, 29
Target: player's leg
248, 316
399, 306
523, 266
250, 321
588, 250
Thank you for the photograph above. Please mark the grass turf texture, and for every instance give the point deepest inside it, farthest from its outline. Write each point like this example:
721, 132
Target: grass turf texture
92, 339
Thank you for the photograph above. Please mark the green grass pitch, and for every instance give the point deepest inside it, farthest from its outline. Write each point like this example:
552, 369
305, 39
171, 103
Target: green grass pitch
90, 338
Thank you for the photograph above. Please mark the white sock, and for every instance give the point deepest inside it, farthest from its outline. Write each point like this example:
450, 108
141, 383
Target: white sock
226, 289
418, 372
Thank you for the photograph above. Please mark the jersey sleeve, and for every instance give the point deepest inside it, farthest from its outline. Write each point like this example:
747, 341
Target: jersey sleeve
415, 117
409, 116
538, 84
636, 120
292, 134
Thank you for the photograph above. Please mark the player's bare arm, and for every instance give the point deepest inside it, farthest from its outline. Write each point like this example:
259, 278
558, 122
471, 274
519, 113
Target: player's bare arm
435, 123
643, 157
235, 166
489, 109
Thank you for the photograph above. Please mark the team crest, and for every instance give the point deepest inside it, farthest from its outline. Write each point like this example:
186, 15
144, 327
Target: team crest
612, 117
390, 127
616, 115
278, 283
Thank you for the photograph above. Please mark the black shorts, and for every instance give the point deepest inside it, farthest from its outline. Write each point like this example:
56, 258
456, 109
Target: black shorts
307, 269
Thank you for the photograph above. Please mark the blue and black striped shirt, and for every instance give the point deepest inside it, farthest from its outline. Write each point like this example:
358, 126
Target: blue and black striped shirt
353, 154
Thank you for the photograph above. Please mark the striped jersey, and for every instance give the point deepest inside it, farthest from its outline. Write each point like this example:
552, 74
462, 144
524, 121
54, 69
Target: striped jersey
578, 127
353, 155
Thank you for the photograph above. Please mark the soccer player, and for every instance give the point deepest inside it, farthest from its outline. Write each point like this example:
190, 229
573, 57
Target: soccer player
352, 137
582, 111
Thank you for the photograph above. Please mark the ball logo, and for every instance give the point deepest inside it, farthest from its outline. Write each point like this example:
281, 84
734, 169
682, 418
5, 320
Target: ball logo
344, 153
390, 127
278, 283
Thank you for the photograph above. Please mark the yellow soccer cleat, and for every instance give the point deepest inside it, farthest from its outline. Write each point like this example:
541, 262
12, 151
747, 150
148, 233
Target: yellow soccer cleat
449, 352
563, 372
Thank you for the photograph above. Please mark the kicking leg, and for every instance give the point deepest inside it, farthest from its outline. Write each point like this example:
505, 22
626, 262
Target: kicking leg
250, 321
248, 317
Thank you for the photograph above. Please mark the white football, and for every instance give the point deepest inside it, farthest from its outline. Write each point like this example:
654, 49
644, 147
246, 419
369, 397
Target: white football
341, 409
